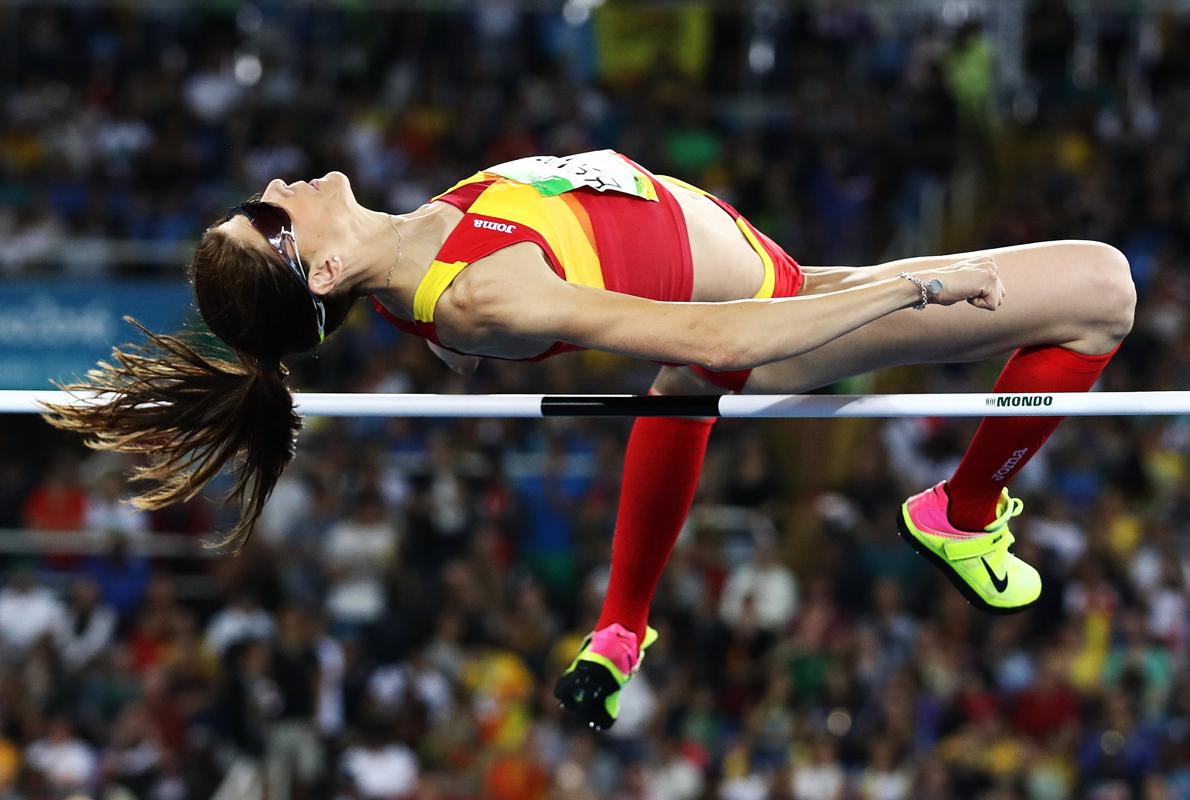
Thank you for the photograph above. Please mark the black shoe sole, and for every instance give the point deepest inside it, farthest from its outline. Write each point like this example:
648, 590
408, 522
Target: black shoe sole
584, 691
966, 591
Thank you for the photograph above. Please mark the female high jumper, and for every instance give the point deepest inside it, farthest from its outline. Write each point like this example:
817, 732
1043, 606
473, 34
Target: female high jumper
544, 255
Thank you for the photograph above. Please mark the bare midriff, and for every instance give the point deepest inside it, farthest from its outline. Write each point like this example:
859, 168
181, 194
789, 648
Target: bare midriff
725, 265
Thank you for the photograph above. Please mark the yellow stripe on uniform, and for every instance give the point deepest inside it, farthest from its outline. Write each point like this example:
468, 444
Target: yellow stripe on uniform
770, 271
683, 184
476, 178
553, 218
432, 285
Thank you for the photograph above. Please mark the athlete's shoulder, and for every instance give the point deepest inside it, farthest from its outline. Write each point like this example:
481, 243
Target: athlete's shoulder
494, 296
516, 268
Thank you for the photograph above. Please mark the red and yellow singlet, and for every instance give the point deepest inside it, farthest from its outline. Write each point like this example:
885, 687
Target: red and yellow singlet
601, 220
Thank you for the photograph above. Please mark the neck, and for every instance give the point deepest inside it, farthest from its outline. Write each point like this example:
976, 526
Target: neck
394, 252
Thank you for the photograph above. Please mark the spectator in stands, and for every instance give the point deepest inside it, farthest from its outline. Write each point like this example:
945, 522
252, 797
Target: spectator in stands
14, 488
67, 762
357, 554
379, 767
89, 626
884, 778
242, 619
329, 714
549, 496
134, 757
761, 591
821, 777
59, 503
674, 775
293, 752
248, 701
28, 614
123, 577
106, 513
751, 481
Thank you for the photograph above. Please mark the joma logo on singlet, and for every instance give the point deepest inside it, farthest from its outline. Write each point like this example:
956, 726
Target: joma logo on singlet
503, 227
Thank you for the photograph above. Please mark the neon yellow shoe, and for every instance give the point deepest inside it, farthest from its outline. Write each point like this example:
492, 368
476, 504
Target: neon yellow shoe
979, 565
590, 687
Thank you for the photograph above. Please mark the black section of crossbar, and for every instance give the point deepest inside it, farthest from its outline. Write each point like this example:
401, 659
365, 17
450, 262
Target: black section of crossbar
643, 406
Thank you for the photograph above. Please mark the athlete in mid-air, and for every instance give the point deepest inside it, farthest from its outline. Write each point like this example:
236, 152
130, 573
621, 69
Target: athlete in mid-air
539, 256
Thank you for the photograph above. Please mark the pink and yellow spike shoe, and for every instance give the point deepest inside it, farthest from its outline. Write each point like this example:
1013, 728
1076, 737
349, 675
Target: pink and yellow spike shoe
590, 687
979, 565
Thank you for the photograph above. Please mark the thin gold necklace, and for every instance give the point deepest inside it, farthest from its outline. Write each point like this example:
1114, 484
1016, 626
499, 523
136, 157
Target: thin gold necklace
389, 278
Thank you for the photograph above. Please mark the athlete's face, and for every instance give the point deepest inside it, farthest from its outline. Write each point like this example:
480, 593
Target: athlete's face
319, 210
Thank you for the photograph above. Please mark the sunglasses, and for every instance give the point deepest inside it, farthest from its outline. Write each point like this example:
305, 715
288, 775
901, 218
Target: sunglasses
274, 224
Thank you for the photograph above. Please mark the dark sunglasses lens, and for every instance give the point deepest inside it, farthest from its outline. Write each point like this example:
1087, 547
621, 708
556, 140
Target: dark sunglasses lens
270, 220
267, 217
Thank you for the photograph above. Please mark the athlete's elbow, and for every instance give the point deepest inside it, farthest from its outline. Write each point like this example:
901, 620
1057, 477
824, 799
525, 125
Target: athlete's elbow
748, 352
718, 342
711, 358
726, 356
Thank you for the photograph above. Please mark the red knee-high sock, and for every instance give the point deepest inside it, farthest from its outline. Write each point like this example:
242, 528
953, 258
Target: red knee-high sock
661, 470
1003, 445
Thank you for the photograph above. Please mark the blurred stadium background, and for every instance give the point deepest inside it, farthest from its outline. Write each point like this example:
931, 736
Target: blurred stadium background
393, 631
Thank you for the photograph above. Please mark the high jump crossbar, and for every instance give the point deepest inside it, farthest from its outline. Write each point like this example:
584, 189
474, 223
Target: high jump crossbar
760, 406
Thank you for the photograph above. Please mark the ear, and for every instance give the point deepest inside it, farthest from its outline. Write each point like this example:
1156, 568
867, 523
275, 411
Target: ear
324, 277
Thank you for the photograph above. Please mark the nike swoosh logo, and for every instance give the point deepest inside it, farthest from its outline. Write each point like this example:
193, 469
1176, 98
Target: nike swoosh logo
1000, 583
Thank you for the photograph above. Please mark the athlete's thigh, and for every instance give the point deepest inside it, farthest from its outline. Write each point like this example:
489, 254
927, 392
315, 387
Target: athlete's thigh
1054, 293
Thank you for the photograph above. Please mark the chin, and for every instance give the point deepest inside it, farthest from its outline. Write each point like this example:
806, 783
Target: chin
342, 186
339, 180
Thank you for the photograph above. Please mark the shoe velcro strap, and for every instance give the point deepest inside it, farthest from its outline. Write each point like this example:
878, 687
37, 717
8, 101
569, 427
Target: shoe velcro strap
651, 636
976, 546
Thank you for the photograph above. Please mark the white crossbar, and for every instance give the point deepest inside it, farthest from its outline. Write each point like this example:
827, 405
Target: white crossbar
730, 406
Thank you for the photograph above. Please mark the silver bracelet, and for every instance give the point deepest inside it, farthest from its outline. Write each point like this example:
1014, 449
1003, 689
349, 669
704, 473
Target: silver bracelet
925, 294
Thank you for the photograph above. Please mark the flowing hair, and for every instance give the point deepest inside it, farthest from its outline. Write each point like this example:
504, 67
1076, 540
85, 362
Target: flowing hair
191, 414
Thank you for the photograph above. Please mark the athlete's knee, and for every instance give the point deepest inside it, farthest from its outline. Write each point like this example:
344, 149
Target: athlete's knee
682, 380
1113, 292
1098, 311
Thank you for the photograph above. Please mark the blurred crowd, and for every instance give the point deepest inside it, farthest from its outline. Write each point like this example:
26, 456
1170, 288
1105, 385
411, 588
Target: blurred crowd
393, 630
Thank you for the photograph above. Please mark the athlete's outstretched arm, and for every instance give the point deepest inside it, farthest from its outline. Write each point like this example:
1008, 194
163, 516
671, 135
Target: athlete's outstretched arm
521, 297
821, 280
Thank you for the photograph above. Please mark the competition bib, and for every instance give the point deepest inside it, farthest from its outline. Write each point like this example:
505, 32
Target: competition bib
601, 170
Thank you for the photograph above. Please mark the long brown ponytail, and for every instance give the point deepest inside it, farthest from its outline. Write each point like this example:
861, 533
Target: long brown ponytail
193, 414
